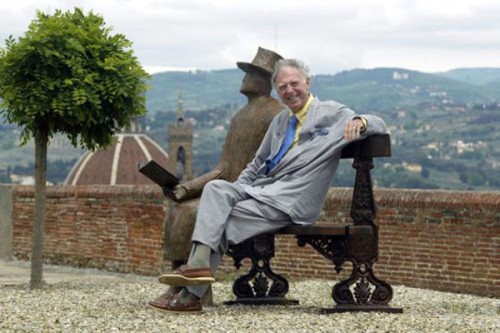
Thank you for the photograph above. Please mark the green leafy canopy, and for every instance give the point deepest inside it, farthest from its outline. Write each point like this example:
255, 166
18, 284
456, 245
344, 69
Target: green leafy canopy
69, 74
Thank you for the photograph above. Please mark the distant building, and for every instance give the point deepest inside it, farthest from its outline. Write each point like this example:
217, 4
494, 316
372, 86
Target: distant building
412, 167
469, 146
118, 164
25, 180
180, 145
400, 76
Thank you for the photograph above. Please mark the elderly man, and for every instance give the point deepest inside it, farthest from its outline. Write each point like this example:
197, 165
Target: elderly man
286, 183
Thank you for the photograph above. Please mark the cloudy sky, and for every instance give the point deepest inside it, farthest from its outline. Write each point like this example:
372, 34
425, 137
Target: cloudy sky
329, 35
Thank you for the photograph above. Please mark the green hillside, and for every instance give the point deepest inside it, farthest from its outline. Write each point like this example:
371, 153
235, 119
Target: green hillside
388, 88
200, 89
362, 89
475, 76
444, 126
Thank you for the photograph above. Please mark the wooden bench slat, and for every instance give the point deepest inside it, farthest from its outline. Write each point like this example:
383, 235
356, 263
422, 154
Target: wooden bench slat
320, 230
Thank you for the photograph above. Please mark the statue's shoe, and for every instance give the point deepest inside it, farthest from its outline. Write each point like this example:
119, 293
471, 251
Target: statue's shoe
172, 303
161, 301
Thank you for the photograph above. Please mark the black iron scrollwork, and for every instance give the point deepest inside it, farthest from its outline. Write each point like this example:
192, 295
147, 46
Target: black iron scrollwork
260, 285
331, 247
362, 281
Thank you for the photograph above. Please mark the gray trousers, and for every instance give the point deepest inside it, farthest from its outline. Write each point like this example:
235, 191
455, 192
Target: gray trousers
228, 215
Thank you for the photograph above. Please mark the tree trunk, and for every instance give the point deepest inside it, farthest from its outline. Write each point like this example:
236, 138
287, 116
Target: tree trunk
41, 139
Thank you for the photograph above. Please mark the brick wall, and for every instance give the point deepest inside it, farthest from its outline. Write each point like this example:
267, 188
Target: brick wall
118, 228
430, 239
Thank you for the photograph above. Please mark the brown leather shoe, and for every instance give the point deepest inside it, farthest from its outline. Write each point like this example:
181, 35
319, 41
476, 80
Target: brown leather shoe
173, 304
186, 276
161, 301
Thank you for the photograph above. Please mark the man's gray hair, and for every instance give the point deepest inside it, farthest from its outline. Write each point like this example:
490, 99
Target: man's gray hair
298, 64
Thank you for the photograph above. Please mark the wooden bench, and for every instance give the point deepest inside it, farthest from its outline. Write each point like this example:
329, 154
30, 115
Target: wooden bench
356, 242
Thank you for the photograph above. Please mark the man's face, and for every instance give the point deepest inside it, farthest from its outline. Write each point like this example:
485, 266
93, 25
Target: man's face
292, 87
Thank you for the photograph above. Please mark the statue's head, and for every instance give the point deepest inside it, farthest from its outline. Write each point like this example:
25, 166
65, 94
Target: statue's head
258, 73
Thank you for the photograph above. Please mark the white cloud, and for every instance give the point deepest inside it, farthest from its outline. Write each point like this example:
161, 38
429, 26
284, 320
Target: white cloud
330, 36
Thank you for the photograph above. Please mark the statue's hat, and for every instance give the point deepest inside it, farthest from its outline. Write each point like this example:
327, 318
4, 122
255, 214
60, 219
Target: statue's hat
263, 62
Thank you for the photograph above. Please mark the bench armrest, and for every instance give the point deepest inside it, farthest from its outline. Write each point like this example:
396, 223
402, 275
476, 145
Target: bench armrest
377, 145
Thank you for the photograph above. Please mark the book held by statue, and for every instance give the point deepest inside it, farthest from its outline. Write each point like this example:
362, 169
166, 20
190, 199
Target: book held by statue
158, 174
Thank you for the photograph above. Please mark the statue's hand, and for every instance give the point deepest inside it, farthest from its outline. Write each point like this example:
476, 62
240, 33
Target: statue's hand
176, 194
179, 192
168, 192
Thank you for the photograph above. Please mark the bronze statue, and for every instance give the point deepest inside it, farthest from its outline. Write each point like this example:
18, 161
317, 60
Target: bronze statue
245, 133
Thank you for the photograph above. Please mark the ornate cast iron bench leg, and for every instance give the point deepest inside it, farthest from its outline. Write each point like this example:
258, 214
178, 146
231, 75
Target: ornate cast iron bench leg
362, 291
254, 287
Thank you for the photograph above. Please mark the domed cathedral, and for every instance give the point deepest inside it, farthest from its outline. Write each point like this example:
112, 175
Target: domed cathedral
180, 145
118, 164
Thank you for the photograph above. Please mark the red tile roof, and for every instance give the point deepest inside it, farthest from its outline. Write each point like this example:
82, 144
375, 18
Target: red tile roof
117, 165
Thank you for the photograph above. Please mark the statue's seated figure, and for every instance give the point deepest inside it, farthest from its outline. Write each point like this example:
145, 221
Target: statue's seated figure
245, 133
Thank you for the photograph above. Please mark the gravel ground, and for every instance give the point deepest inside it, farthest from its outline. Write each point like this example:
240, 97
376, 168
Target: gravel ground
117, 303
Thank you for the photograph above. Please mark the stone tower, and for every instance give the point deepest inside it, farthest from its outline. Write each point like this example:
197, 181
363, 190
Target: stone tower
180, 145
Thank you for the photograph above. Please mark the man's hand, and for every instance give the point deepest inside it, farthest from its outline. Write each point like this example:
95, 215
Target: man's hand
353, 129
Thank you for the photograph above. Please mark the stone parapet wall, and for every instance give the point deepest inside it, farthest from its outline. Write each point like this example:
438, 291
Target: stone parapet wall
118, 228
439, 240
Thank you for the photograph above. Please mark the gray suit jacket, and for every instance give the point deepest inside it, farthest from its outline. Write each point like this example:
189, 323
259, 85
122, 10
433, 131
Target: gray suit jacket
299, 183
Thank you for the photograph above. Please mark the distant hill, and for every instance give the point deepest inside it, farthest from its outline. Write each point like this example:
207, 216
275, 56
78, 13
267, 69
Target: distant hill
200, 89
383, 89
362, 89
444, 126
475, 76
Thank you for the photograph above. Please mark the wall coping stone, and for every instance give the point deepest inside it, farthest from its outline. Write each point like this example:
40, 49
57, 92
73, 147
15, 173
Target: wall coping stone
92, 191
418, 198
